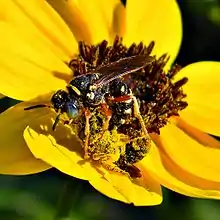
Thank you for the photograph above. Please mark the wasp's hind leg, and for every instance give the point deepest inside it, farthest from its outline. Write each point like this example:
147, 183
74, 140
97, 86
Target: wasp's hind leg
106, 162
88, 115
108, 114
137, 114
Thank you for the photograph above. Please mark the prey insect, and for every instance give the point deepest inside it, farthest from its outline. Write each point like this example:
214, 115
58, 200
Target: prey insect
101, 89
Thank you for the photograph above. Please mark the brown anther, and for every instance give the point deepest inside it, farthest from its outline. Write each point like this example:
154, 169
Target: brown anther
180, 83
140, 48
172, 72
182, 105
131, 49
150, 48
84, 51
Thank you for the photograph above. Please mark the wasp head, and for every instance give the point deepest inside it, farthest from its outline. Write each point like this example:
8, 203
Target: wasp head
63, 102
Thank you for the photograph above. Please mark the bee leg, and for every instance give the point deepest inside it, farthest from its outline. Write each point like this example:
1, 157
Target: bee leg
87, 133
107, 112
132, 170
106, 162
110, 166
68, 122
57, 119
137, 114
113, 168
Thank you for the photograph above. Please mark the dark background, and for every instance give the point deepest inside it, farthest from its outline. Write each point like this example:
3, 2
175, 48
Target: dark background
38, 197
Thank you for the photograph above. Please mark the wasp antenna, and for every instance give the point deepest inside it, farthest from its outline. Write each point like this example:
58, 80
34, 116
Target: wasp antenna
56, 122
37, 106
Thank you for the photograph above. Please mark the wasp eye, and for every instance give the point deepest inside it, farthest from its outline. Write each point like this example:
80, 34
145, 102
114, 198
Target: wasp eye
71, 110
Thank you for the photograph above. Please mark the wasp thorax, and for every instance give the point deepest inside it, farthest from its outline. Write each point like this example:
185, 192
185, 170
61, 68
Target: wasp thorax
94, 96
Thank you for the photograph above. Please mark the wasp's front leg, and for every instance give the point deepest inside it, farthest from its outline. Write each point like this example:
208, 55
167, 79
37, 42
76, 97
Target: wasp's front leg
88, 115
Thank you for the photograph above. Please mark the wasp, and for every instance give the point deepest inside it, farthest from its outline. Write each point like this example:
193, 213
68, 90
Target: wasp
102, 89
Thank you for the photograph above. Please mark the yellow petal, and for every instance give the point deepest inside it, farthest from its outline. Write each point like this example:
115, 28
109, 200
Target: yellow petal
28, 70
158, 21
58, 148
203, 95
99, 15
193, 132
41, 22
15, 157
61, 150
119, 21
140, 192
74, 18
112, 14
89, 21
172, 176
191, 155
103, 186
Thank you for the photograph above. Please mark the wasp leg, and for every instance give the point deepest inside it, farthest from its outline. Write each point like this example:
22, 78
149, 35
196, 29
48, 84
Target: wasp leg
105, 160
68, 122
87, 133
137, 114
113, 167
107, 112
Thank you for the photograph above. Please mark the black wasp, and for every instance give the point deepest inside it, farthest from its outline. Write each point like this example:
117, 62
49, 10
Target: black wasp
102, 88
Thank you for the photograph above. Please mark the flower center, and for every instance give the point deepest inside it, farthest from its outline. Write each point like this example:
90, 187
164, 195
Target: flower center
120, 112
159, 97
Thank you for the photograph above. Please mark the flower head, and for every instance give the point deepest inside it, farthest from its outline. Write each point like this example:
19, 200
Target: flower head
45, 56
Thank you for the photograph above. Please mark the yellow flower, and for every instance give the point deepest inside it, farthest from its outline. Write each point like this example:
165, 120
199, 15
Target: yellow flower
38, 38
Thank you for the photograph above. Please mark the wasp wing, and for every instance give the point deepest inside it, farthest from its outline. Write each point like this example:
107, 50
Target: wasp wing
121, 67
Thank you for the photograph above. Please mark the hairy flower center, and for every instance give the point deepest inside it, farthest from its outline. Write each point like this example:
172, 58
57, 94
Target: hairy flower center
158, 96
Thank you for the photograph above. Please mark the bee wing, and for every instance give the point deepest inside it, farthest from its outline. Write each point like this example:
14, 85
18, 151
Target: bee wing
121, 67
